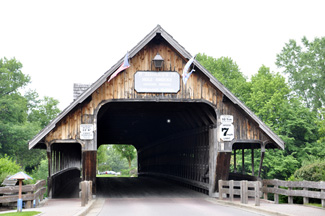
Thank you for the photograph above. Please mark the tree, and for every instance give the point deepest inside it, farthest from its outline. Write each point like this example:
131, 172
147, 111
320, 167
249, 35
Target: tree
11, 77
227, 72
306, 70
126, 151
21, 117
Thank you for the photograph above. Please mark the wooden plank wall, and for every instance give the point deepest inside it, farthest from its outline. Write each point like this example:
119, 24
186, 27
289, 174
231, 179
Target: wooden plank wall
122, 87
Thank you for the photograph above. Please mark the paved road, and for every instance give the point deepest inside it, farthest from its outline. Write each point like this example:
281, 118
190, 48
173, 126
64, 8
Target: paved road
168, 207
151, 196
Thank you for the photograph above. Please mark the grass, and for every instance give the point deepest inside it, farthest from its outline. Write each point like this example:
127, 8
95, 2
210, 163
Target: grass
26, 213
315, 204
110, 175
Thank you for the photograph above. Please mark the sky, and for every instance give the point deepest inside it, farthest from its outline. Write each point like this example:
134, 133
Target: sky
64, 42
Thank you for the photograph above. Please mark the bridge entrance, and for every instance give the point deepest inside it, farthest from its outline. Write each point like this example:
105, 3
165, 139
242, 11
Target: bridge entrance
171, 138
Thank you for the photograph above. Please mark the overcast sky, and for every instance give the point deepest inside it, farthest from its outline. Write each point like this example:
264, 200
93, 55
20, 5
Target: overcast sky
64, 42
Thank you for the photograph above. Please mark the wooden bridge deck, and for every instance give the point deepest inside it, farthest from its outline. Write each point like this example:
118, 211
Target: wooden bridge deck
142, 187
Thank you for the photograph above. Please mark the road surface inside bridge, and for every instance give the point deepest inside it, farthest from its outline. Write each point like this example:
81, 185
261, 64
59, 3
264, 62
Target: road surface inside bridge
155, 197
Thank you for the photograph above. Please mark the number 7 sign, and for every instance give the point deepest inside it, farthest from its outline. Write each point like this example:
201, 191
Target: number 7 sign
226, 132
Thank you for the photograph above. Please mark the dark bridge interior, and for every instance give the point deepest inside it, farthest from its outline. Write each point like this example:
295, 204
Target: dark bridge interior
172, 138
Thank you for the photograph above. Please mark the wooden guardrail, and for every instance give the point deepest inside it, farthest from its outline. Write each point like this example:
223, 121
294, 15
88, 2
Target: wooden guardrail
244, 189
295, 189
30, 192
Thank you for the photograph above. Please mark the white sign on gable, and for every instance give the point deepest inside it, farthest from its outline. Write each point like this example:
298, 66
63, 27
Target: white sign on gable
86, 131
227, 132
228, 119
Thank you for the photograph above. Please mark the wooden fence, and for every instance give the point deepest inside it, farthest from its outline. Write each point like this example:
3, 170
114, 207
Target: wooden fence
244, 189
295, 189
30, 193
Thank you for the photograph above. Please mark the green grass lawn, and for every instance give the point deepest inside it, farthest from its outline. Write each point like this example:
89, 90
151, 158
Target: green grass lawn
110, 175
26, 213
315, 204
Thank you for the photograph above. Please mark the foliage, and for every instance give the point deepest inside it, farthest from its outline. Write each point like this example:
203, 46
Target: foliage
11, 77
126, 151
321, 126
305, 67
108, 158
227, 72
21, 116
40, 172
7, 167
272, 99
311, 171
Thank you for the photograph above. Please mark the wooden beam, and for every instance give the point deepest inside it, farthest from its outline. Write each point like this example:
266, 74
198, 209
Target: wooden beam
261, 162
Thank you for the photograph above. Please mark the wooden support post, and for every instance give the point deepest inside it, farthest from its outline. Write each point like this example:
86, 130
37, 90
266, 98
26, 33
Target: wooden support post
49, 179
89, 188
212, 161
28, 202
264, 193
220, 189
243, 160
235, 163
261, 162
257, 193
323, 191
89, 168
306, 199
243, 192
276, 196
290, 198
231, 190
83, 193
253, 172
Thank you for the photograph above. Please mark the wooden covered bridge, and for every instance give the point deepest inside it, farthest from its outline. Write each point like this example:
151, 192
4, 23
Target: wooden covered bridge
184, 132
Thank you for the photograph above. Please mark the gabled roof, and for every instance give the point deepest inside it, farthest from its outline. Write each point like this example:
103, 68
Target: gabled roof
157, 30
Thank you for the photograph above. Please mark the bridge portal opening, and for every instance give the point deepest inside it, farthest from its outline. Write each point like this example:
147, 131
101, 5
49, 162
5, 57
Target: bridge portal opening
171, 138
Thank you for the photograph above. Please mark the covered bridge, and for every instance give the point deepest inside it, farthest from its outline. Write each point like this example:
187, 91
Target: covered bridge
184, 132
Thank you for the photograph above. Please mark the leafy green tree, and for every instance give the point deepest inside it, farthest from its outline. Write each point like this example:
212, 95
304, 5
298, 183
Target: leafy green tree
21, 117
44, 111
227, 72
11, 77
304, 64
126, 151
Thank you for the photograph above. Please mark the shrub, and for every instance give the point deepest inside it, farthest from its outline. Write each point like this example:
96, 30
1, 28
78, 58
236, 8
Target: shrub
8, 167
314, 171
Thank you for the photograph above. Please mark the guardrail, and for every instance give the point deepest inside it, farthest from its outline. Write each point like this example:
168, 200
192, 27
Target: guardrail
294, 189
31, 192
244, 189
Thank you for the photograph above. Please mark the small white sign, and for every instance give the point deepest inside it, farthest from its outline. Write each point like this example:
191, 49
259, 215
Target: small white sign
86, 131
228, 119
227, 132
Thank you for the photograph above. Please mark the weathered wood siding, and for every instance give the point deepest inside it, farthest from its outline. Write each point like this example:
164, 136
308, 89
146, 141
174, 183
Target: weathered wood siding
198, 87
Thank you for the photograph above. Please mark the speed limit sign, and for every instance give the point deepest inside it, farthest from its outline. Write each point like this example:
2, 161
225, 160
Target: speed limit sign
227, 132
